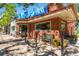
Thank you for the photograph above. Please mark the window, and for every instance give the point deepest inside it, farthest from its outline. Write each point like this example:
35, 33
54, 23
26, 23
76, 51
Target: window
43, 26
13, 28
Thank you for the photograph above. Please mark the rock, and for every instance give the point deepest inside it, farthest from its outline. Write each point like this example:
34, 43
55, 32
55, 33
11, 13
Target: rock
77, 54
30, 53
48, 47
57, 52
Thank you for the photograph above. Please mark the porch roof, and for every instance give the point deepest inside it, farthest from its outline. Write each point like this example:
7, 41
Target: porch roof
65, 14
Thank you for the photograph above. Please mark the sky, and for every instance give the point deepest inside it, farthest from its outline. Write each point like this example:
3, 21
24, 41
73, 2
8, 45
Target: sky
32, 10
2, 10
21, 11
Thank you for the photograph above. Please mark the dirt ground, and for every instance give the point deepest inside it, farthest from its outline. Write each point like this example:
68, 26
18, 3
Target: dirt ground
11, 46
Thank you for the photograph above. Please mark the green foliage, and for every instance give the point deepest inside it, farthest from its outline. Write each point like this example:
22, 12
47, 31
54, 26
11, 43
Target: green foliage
77, 25
57, 42
2, 5
77, 28
77, 34
77, 7
9, 14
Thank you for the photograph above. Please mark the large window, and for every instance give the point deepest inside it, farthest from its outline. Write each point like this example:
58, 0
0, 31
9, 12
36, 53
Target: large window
43, 26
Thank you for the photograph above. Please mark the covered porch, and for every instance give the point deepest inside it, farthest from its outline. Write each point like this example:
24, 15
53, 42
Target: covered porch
64, 18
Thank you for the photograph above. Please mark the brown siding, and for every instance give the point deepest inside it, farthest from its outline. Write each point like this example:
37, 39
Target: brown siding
55, 23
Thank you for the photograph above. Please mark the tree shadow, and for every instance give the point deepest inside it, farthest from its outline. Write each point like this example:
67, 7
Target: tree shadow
71, 39
4, 42
5, 50
18, 42
48, 54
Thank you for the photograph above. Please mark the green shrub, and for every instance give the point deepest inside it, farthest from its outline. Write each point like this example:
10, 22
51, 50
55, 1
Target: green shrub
77, 34
57, 42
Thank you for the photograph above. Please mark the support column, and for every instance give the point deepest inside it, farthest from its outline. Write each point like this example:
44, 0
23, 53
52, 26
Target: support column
17, 30
30, 30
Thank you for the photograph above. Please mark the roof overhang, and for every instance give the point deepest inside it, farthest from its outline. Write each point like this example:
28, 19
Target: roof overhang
65, 14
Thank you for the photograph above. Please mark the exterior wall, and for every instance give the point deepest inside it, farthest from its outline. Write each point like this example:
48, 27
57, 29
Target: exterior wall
71, 27
55, 23
13, 30
55, 26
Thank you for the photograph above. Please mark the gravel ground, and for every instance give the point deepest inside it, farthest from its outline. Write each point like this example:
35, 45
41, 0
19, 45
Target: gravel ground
11, 46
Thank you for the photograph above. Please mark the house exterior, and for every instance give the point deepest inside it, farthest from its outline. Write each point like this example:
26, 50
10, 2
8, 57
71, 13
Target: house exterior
60, 18
10, 29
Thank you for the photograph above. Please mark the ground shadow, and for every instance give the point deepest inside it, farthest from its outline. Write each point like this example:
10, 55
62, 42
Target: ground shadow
4, 42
